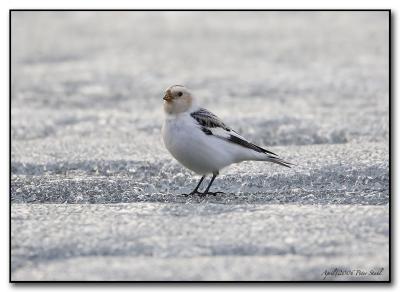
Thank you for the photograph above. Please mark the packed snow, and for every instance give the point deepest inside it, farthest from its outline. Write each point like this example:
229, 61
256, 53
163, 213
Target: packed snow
96, 196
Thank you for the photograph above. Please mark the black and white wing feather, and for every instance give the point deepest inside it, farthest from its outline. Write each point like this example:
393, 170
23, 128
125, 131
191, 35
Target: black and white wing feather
207, 119
210, 124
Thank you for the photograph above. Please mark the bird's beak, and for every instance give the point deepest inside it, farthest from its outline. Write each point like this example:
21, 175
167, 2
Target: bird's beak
167, 96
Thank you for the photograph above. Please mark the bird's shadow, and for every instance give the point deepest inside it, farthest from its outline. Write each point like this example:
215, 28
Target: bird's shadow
220, 197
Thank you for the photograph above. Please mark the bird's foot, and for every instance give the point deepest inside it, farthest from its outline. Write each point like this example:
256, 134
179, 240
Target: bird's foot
213, 193
193, 193
203, 194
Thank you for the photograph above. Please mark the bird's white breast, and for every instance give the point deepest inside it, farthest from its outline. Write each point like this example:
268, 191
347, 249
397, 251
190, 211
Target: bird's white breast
194, 149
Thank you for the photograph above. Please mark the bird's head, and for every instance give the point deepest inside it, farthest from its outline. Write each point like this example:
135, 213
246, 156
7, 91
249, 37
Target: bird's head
177, 99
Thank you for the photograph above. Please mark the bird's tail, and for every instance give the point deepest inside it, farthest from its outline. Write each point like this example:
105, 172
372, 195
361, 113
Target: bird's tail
278, 160
271, 158
262, 154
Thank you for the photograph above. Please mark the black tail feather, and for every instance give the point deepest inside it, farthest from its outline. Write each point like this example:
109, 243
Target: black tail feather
279, 161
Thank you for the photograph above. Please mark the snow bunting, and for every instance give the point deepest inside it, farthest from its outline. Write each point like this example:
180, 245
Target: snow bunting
200, 141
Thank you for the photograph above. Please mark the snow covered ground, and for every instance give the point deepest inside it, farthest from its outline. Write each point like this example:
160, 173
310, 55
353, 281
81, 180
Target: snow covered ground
95, 196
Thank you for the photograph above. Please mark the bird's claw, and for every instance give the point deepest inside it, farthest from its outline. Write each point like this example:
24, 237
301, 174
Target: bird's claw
192, 193
214, 193
203, 194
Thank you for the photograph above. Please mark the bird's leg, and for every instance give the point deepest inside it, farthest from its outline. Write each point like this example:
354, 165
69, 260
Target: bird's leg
207, 191
197, 187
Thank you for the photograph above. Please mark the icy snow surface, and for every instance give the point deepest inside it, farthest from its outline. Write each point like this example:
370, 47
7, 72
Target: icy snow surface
95, 195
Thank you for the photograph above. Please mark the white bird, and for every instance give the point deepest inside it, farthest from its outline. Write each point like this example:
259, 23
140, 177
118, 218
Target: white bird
200, 141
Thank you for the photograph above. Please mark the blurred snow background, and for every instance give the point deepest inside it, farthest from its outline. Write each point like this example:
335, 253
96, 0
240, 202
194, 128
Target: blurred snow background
96, 196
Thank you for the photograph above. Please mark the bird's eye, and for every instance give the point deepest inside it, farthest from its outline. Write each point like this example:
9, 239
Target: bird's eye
180, 93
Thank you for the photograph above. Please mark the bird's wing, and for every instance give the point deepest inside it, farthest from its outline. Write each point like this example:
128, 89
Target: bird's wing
210, 124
